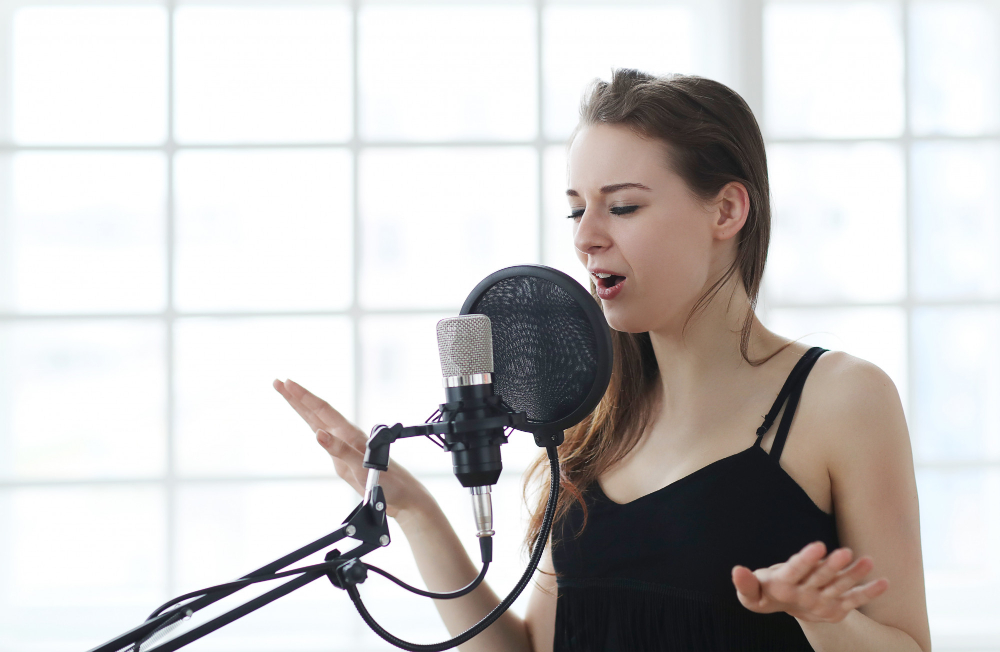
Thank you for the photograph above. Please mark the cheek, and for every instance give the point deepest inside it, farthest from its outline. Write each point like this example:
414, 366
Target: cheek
669, 262
670, 269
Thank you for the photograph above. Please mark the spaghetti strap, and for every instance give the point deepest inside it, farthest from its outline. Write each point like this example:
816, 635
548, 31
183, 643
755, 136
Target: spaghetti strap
791, 390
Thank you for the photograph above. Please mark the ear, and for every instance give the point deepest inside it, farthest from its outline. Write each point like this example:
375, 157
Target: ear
731, 207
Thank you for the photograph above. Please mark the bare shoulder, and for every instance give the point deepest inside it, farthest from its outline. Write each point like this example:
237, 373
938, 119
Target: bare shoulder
849, 378
857, 407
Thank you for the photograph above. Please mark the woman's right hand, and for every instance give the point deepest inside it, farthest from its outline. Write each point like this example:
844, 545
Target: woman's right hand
345, 443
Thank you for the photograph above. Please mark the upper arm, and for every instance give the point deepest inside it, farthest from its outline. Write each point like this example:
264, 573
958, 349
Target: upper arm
874, 490
540, 618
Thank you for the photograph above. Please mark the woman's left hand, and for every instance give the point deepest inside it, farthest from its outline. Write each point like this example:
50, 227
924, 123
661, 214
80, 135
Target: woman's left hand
810, 586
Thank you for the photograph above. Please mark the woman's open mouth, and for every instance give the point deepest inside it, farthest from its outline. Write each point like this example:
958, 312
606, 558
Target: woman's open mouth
608, 285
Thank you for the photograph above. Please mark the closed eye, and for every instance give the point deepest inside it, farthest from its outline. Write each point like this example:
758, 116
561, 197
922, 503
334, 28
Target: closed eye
615, 210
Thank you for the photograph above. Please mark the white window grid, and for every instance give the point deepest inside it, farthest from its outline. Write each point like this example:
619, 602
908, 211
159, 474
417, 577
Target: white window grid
747, 59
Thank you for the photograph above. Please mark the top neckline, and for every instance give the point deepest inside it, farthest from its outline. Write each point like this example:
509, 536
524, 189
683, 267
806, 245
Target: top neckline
678, 481
795, 486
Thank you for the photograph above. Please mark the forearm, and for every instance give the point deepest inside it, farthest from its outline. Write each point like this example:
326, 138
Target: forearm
445, 566
857, 633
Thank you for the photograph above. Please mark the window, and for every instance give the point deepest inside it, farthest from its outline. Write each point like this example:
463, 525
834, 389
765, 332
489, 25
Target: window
198, 197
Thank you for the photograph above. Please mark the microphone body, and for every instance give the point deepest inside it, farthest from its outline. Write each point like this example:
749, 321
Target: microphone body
475, 456
465, 345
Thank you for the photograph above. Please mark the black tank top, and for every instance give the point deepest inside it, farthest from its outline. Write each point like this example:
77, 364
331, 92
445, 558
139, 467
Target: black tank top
655, 573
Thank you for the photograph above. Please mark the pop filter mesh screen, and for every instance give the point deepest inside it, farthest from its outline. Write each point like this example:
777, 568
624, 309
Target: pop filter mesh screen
545, 350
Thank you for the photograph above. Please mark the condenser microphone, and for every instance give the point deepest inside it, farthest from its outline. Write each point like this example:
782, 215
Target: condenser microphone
465, 345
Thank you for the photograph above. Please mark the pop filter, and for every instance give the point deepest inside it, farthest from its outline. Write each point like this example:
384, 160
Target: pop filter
551, 344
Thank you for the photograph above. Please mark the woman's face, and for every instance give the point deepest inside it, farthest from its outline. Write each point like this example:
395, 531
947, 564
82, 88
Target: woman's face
646, 240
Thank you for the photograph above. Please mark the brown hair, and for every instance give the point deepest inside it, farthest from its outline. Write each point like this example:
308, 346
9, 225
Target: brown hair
713, 140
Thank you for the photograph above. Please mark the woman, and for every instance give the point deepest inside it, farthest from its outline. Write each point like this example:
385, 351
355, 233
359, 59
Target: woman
686, 523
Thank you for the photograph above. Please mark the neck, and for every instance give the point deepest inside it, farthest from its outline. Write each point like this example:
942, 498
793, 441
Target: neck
699, 364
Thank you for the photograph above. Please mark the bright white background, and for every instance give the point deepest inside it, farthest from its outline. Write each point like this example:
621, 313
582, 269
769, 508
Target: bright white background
198, 198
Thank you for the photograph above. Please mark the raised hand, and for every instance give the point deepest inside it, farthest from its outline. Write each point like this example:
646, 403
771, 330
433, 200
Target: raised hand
345, 443
810, 586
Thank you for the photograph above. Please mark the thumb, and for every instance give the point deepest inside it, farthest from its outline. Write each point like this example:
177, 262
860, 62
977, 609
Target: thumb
337, 447
747, 583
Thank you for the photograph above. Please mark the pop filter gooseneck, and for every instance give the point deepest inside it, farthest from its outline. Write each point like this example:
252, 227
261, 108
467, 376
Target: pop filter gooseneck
552, 361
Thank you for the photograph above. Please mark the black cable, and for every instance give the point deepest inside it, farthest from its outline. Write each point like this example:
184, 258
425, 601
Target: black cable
428, 594
536, 555
485, 546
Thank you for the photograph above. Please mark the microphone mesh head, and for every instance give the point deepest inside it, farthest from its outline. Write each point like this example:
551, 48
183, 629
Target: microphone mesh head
465, 345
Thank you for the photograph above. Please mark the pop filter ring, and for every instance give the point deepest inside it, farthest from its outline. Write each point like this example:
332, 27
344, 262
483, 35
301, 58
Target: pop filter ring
595, 316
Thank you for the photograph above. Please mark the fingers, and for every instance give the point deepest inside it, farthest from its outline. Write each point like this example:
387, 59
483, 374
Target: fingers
849, 577
319, 414
801, 563
318, 406
860, 595
747, 584
809, 586
307, 415
828, 570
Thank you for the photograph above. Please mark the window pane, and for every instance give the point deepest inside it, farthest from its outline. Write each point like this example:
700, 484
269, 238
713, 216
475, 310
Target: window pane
582, 43
558, 230
252, 74
441, 73
955, 67
956, 222
82, 399
87, 232
89, 74
960, 532
957, 383
437, 221
833, 69
877, 335
227, 530
229, 419
116, 537
263, 230
838, 231
402, 383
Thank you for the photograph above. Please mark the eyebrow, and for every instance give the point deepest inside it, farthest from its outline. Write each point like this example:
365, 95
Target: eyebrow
615, 187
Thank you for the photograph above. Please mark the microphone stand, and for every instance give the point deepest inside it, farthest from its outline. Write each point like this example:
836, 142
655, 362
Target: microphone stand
366, 524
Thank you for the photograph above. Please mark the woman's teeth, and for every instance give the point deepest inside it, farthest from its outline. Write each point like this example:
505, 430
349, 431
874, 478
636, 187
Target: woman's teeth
608, 280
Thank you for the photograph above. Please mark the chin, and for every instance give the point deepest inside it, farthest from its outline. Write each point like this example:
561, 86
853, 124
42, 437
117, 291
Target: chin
625, 321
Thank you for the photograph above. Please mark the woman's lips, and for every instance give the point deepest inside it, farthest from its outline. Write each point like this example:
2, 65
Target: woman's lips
608, 288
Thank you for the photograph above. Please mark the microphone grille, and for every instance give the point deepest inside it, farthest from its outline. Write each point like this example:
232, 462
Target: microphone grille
465, 345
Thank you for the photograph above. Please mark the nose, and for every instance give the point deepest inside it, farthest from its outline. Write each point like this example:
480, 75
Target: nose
590, 233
